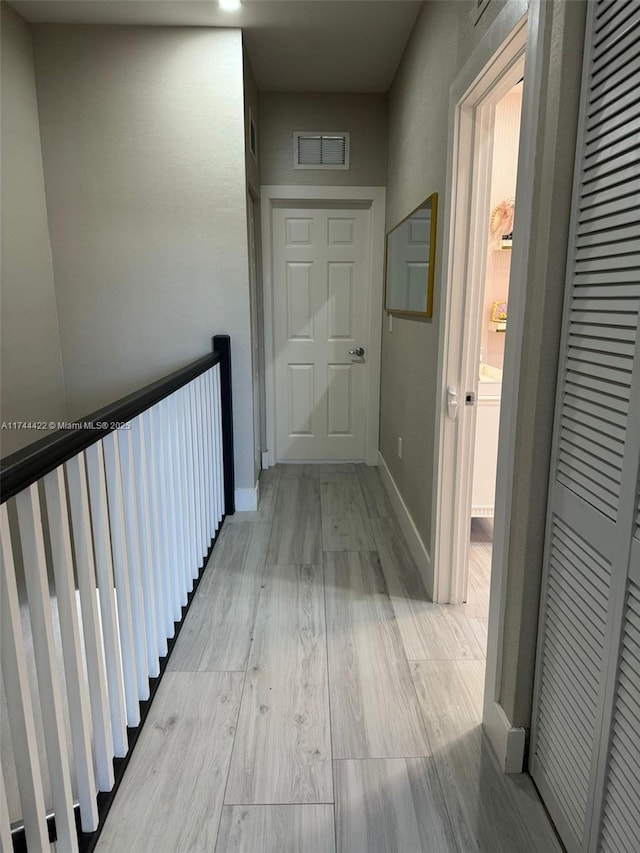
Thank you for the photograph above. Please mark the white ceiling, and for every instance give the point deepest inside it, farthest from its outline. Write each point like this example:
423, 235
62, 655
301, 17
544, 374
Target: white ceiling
294, 45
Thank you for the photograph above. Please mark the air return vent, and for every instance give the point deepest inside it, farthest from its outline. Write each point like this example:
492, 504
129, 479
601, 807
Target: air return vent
320, 150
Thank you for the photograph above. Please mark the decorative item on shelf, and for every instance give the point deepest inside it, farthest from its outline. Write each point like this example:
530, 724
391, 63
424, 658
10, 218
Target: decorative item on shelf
499, 316
501, 225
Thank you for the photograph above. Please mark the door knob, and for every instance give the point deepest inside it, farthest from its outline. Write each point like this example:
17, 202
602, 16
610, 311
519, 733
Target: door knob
452, 402
359, 351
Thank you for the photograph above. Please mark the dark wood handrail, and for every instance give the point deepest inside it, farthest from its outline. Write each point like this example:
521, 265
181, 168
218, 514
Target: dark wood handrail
26, 466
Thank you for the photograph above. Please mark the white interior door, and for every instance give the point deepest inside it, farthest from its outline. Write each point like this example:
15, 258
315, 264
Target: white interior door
322, 281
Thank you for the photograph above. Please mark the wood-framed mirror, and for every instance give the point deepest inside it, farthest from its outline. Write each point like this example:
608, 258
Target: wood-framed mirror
410, 263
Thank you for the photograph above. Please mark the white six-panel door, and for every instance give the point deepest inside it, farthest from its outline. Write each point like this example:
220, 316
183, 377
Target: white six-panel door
321, 269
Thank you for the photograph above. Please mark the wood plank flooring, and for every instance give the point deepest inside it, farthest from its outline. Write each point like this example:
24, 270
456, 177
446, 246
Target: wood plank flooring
317, 701
172, 794
283, 752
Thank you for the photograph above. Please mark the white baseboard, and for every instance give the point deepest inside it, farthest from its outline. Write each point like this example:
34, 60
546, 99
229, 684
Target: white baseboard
407, 524
265, 460
247, 499
508, 741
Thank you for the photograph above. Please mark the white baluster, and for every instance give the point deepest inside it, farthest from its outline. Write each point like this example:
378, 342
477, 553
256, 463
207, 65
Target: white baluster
106, 586
32, 542
137, 448
191, 471
206, 463
176, 450
165, 435
20, 709
184, 487
94, 651
158, 554
218, 400
192, 456
202, 470
213, 454
197, 470
141, 630
214, 445
79, 718
171, 454
136, 684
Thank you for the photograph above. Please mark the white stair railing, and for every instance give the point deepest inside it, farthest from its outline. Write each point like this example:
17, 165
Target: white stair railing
105, 529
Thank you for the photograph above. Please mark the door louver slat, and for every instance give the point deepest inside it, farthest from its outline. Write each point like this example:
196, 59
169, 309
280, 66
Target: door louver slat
621, 820
601, 345
626, 249
626, 79
616, 154
596, 409
609, 141
620, 37
571, 636
616, 53
605, 11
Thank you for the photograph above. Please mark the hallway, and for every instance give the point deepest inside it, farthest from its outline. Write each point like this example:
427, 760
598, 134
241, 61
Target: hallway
316, 701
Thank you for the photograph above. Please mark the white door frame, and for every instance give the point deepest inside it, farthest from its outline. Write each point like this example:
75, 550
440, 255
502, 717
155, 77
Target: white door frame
374, 198
486, 77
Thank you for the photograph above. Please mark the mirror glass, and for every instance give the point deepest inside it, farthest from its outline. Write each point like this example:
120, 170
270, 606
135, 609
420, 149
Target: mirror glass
410, 262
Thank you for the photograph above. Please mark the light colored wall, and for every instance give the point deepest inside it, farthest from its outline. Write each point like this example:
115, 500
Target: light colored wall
32, 381
442, 40
418, 135
364, 116
143, 148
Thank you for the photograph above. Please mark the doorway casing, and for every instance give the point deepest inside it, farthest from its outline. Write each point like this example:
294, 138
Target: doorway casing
495, 66
374, 199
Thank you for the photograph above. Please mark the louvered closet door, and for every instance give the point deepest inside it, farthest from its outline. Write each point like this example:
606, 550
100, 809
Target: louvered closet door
585, 754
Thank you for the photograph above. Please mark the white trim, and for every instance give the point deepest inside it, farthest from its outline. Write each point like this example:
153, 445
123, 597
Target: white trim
417, 547
375, 198
247, 500
481, 84
265, 460
481, 80
508, 741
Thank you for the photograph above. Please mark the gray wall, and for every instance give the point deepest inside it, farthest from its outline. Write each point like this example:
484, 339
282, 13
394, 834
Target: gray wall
364, 116
444, 36
418, 138
143, 148
32, 382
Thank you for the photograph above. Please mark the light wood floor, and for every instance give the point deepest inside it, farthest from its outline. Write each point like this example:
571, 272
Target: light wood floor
317, 701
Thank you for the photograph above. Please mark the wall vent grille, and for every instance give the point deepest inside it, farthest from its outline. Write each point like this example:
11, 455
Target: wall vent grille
320, 150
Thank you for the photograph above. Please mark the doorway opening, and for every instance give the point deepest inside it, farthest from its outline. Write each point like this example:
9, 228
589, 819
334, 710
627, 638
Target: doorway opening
492, 327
